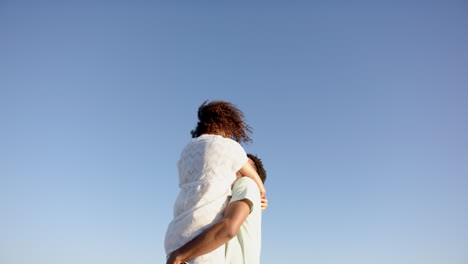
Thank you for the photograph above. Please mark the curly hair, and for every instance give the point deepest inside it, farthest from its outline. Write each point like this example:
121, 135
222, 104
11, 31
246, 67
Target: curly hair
223, 118
258, 166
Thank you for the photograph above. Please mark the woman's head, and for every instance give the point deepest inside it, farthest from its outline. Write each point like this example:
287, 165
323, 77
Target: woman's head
222, 118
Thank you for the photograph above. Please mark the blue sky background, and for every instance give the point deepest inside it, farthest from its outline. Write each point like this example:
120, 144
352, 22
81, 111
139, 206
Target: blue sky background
359, 112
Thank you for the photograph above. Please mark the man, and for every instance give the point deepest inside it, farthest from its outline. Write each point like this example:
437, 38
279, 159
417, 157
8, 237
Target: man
240, 227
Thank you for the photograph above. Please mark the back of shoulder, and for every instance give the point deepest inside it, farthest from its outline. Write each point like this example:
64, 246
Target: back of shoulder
245, 188
227, 142
215, 140
228, 145
246, 183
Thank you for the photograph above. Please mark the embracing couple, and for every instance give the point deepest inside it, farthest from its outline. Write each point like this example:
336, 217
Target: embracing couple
217, 214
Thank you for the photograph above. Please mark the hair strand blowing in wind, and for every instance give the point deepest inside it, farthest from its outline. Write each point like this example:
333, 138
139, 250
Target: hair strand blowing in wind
223, 118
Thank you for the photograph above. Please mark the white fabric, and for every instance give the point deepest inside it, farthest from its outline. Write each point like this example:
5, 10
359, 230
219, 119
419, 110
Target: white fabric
207, 168
245, 247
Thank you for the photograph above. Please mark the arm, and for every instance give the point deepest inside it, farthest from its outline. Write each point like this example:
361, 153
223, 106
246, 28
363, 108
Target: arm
249, 171
215, 236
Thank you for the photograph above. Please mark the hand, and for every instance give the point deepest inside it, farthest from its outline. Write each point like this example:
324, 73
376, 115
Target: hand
262, 191
172, 259
264, 203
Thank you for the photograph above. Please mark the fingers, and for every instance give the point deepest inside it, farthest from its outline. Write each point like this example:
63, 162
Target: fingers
264, 203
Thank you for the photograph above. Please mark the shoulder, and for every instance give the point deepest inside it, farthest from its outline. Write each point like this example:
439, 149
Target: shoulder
229, 145
247, 186
244, 182
245, 189
228, 141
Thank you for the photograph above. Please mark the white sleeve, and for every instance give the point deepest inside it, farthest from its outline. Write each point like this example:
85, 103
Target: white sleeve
239, 157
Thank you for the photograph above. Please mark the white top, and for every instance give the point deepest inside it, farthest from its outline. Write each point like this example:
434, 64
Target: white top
207, 168
245, 247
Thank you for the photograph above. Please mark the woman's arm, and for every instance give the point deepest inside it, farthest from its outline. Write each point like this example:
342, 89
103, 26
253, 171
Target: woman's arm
249, 171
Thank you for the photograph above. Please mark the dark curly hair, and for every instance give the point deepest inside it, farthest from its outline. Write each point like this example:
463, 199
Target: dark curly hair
258, 166
222, 118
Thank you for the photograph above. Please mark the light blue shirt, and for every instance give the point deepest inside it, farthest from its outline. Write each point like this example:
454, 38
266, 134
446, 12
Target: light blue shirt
245, 247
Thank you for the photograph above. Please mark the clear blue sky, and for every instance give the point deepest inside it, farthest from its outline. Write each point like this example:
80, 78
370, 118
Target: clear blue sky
359, 110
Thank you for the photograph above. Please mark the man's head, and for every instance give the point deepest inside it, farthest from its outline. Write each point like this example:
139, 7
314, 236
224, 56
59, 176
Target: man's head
258, 165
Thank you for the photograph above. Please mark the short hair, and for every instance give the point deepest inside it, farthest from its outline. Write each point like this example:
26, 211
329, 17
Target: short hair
220, 117
258, 166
